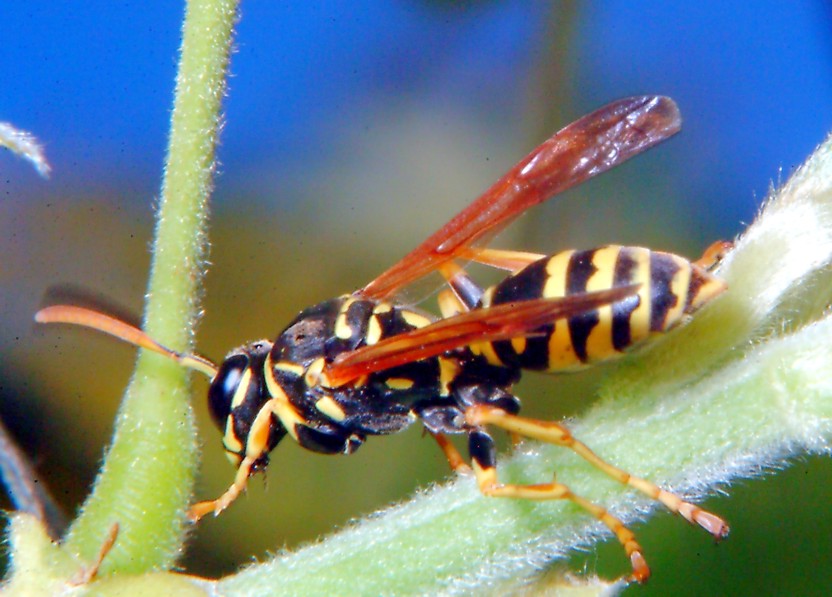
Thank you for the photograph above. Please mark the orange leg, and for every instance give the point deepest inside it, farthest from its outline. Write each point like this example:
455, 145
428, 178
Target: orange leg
88, 573
466, 292
216, 506
482, 456
554, 433
455, 459
489, 485
501, 258
714, 254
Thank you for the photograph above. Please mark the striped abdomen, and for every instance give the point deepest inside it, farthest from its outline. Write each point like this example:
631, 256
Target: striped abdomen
671, 289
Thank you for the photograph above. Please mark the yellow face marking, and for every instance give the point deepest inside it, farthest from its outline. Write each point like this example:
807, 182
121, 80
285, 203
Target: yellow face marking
279, 402
599, 343
640, 317
679, 287
342, 328
230, 439
448, 370
242, 389
399, 383
289, 367
373, 334
417, 320
331, 409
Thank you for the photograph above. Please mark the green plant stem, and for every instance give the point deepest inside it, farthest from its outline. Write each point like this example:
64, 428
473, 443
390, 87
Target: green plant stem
148, 474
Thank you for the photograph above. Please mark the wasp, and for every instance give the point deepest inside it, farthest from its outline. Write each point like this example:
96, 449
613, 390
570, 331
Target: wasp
363, 364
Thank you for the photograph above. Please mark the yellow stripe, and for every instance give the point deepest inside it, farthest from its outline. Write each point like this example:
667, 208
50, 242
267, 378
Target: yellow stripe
284, 410
562, 355
242, 389
383, 308
417, 320
342, 328
399, 383
599, 343
330, 408
313, 376
373, 334
449, 304
486, 350
289, 367
230, 440
556, 269
518, 345
448, 370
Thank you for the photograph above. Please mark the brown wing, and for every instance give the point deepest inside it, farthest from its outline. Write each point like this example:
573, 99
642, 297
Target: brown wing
501, 322
585, 148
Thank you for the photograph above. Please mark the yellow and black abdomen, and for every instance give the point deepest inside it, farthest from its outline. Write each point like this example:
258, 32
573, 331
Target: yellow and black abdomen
671, 289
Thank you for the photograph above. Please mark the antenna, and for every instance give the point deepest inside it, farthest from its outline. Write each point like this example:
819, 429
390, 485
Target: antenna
123, 331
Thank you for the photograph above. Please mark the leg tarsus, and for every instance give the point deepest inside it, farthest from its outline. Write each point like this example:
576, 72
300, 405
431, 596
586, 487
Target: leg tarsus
714, 254
216, 506
89, 573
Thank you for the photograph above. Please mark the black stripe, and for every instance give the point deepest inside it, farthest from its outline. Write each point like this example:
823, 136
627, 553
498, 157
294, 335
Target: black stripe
625, 268
662, 271
358, 316
525, 285
578, 272
697, 280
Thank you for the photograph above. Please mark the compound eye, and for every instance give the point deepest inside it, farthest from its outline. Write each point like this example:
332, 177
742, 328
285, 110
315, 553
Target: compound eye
224, 386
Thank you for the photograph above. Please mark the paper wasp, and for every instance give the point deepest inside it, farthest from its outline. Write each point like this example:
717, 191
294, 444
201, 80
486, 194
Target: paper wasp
362, 365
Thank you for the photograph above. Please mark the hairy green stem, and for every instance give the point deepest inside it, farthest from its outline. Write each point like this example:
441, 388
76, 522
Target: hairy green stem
148, 473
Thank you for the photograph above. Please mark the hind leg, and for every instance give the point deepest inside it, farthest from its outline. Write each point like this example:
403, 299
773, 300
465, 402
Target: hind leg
555, 433
483, 459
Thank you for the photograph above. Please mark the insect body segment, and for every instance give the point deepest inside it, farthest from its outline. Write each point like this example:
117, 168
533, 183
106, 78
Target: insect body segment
362, 365
671, 289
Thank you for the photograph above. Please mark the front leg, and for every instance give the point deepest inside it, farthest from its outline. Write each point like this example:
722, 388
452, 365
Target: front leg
483, 459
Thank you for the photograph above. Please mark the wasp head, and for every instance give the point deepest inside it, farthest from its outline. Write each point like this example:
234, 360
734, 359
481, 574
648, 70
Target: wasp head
236, 398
